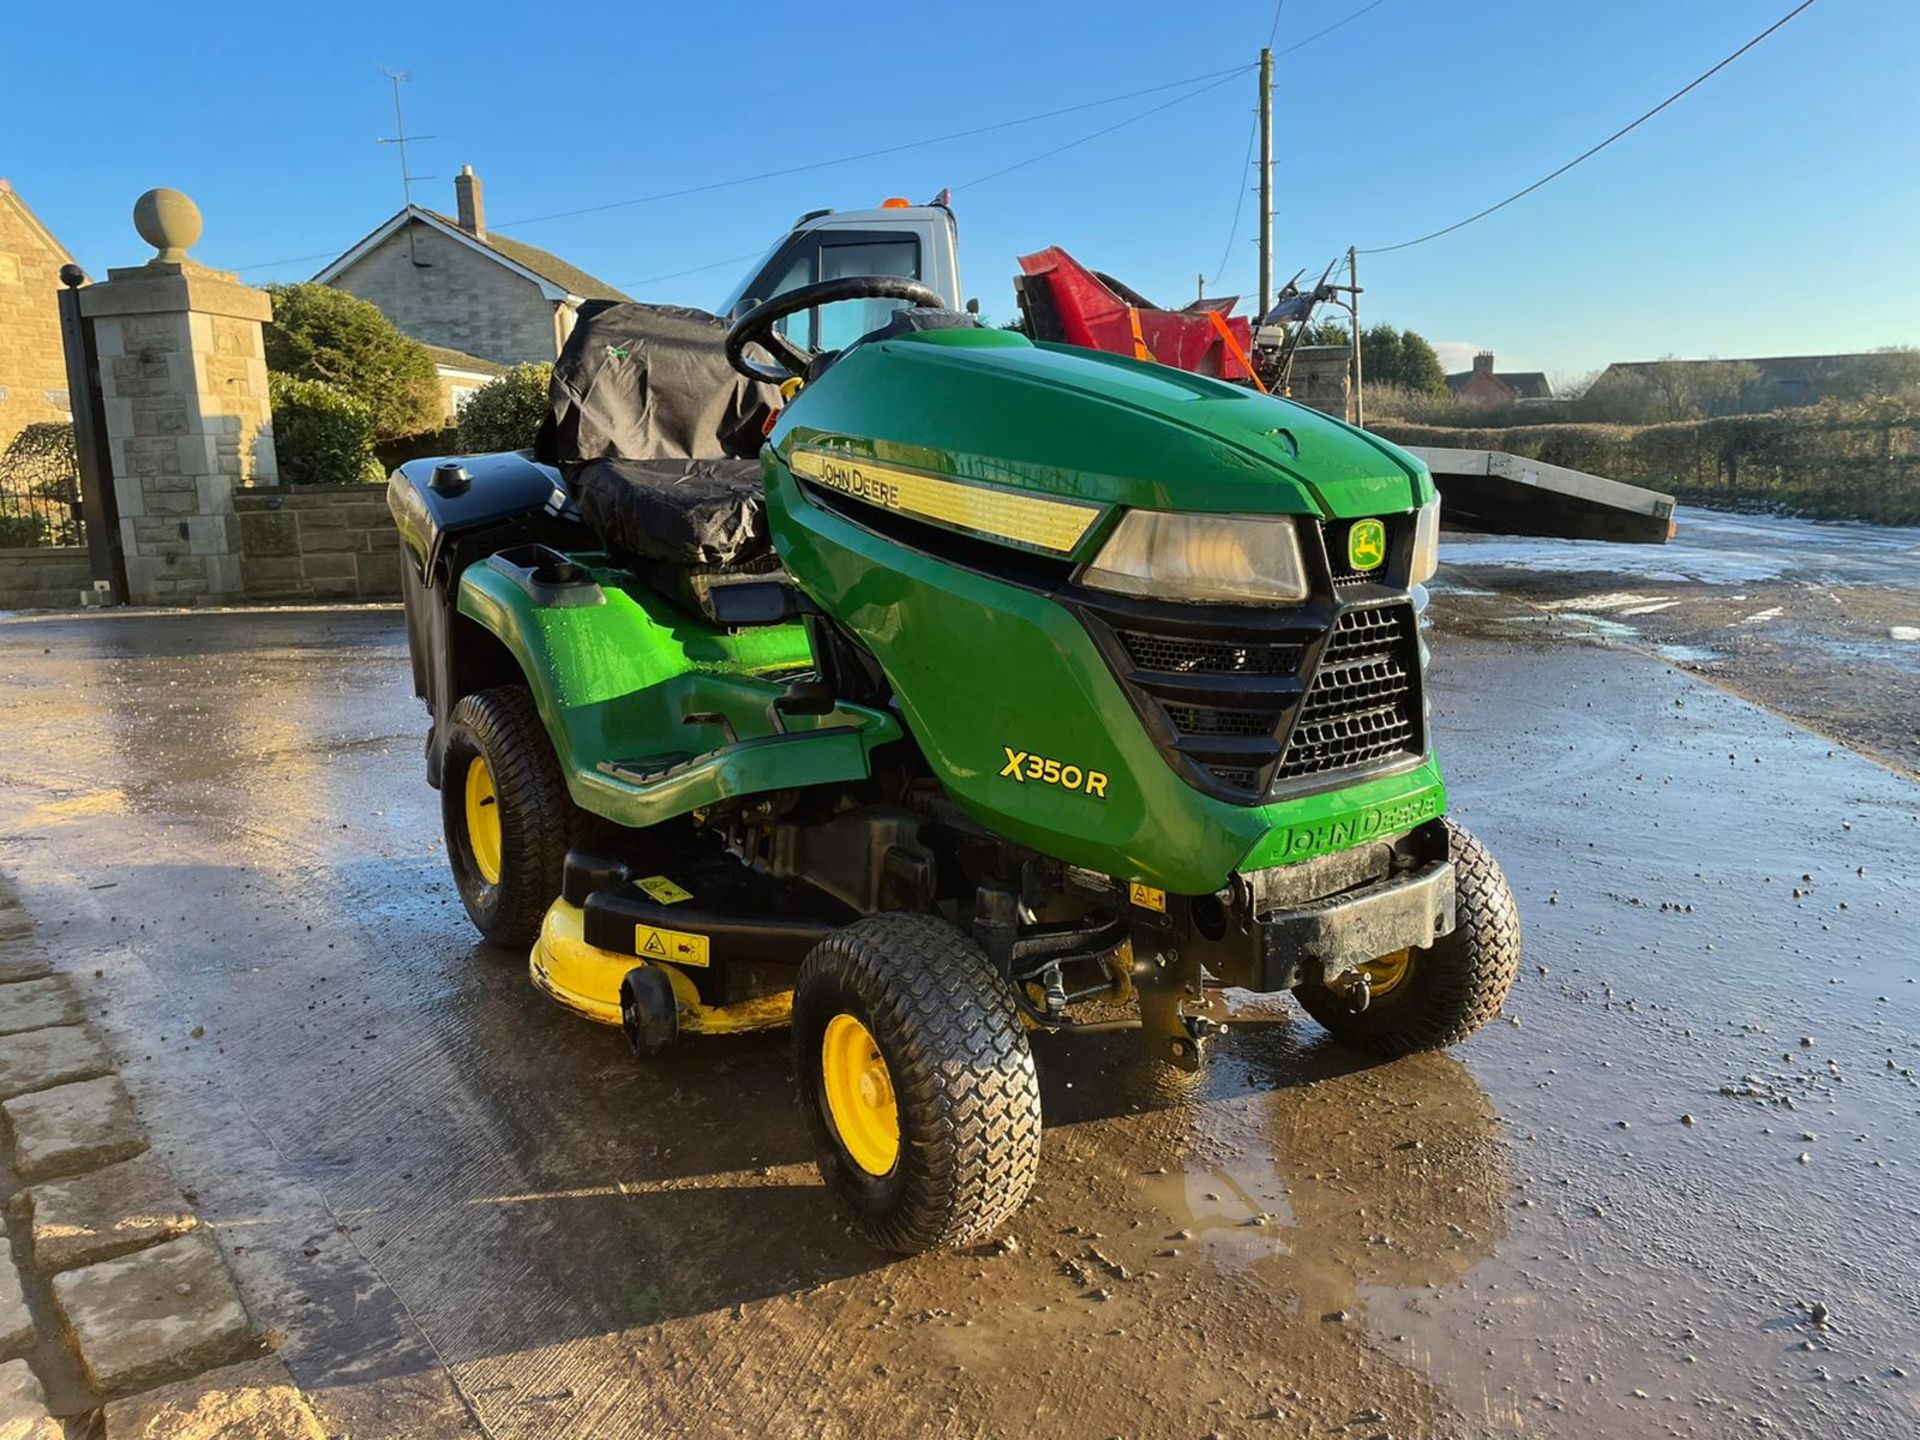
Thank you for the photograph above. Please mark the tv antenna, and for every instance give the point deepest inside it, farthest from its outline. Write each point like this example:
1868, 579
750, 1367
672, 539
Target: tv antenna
399, 140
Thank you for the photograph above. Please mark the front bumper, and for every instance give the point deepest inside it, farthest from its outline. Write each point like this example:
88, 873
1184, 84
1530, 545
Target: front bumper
1327, 938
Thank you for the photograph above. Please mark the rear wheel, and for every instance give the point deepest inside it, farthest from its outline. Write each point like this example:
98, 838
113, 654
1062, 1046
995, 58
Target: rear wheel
1426, 999
917, 1081
508, 817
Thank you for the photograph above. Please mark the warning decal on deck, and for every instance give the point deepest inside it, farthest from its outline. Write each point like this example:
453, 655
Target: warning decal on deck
674, 946
659, 887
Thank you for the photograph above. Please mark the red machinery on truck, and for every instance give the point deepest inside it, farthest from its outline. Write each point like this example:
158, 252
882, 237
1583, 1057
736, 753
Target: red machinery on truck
1062, 300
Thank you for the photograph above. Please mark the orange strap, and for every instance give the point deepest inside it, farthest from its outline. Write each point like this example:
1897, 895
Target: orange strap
1140, 351
1233, 345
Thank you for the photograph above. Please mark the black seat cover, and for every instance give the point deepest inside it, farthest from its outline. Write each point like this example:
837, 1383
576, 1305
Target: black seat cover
657, 435
677, 512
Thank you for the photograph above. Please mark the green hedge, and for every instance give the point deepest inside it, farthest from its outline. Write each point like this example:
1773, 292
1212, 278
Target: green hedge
1813, 462
321, 434
504, 413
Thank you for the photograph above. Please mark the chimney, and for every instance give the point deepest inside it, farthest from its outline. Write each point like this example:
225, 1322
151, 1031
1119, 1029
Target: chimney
1482, 363
473, 210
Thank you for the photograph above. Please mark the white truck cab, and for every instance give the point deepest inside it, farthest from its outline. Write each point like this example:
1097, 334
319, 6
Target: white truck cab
918, 241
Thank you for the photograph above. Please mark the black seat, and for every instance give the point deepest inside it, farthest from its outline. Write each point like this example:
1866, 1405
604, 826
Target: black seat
658, 436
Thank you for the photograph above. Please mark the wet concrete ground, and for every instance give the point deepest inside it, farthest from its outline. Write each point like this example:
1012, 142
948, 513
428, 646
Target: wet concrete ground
462, 1211
1815, 619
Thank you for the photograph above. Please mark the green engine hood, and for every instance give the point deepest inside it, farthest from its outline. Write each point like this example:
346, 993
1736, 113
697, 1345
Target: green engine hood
989, 406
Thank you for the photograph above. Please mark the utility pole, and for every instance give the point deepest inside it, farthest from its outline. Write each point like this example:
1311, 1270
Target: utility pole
1200, 286
1266, 186
1359, 379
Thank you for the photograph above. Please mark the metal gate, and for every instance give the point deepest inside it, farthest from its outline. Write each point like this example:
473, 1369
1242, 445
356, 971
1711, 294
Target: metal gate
79, 506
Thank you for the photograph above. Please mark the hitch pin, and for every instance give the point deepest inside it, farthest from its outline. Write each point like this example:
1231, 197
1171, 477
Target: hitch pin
1356, 988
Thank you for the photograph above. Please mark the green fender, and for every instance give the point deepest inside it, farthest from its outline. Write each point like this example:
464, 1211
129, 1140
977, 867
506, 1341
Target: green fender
616, 679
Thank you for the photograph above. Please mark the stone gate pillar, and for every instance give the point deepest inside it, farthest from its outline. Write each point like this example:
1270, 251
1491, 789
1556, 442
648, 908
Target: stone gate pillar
183, 379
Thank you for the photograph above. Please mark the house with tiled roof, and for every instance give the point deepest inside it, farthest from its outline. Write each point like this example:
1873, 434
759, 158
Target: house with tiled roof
449, 282
1483, 385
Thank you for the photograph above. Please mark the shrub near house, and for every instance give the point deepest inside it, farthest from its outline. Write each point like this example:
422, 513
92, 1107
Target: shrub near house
505, 413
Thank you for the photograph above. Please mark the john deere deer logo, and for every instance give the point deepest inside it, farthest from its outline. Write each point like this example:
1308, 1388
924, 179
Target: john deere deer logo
1367, 545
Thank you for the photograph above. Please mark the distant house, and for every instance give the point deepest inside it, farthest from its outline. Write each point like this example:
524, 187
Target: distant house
1774, 382
449, 282
460, 375
33, 367
1483, 385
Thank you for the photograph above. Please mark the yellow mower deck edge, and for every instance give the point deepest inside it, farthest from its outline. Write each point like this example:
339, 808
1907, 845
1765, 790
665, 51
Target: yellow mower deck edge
586, 979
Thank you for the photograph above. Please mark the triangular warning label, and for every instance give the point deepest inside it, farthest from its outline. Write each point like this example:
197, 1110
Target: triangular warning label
653, 945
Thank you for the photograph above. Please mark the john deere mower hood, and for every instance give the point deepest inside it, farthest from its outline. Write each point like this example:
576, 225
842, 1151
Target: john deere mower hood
989, 406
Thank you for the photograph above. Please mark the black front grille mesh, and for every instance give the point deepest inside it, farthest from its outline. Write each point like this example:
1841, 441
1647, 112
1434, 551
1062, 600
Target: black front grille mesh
1363, 704
1242, 712
1176, 655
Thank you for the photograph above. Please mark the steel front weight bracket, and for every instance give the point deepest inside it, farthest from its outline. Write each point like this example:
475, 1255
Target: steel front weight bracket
1165, 981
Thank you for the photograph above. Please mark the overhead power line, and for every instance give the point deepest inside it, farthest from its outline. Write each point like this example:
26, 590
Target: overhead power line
1105, 130
1585, 155
976, 130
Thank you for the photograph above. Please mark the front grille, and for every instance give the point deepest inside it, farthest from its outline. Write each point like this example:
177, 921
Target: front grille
1195, 720
1176, 655
1364, 704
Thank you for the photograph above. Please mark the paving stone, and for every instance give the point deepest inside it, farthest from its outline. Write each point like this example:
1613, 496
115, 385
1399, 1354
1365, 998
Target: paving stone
256, 1400
154, 1315
106, 1212
32, 1004
21, 962
38, 1059
16, 1321
23, 1408
72, 1128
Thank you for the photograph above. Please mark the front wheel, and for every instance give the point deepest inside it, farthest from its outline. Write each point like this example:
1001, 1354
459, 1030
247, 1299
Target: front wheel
917, 1082
1429, 999
508, 817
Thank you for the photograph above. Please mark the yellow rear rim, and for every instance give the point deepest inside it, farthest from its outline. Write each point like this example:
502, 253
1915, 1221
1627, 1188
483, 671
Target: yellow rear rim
483, 821
860, 1095
1388, 971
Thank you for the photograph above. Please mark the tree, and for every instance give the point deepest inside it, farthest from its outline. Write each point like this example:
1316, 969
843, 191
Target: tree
320, 333
504, 413
1388, 356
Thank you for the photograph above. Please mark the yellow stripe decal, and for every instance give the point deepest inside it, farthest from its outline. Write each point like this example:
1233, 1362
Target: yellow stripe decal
1055, 525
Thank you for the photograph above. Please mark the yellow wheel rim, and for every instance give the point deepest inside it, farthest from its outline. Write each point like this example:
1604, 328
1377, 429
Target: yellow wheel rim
860, 1095
483, 821
1388, 971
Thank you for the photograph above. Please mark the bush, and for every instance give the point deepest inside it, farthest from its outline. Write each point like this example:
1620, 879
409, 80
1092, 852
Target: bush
1837, 460
504, 413
320, 333
323, 435
40, 486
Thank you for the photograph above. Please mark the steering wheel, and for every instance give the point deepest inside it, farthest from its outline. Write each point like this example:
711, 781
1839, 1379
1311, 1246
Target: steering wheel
756, 326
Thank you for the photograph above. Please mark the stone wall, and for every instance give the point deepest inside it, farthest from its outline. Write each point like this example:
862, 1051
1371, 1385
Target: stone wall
44, 577
33, 367
455, 297
317, 542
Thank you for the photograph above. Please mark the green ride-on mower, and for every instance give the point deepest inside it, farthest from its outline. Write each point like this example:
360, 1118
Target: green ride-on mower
981, 689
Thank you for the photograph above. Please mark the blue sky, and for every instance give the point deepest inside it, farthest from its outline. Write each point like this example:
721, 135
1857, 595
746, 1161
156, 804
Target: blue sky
1772, 211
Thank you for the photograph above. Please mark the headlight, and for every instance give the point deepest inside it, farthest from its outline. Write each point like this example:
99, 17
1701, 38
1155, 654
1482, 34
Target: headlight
1238, 559
1426, 541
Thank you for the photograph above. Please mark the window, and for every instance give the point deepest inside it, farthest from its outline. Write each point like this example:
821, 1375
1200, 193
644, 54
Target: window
846, 322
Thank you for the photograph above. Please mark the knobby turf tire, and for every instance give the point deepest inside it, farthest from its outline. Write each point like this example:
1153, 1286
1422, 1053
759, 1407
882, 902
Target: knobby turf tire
538, 819
1451, 989
964, 1082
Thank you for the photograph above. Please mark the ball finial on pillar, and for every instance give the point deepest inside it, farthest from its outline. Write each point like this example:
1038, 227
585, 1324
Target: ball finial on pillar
168, 221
